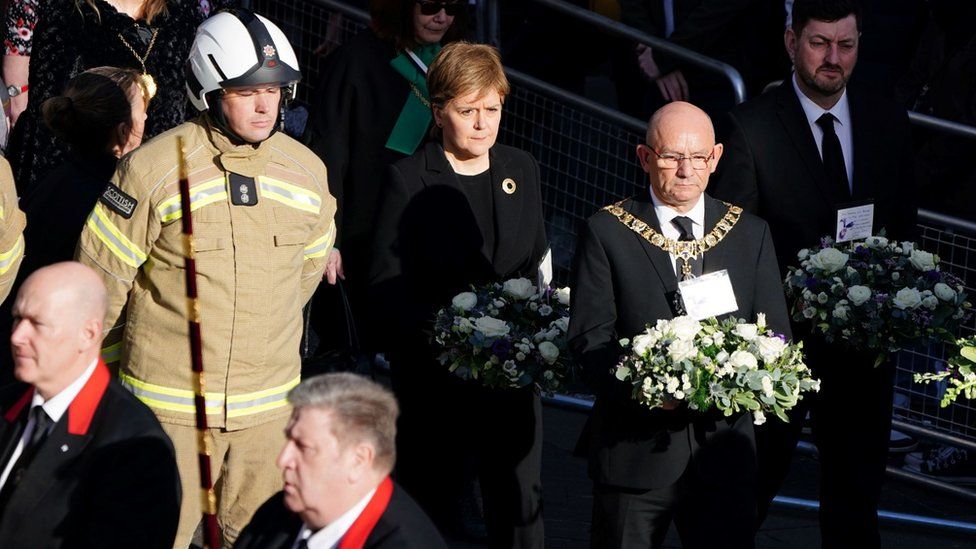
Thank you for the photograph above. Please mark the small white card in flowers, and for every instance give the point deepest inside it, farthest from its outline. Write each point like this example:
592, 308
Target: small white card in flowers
854, 223
708, 295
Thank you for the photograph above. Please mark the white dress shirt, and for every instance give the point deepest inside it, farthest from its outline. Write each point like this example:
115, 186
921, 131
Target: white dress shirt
329, 537
55, 407
842, 126
666, 213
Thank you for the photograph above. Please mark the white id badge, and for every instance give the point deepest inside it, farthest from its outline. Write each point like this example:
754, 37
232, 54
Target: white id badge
708, 295
854, 223
544, 274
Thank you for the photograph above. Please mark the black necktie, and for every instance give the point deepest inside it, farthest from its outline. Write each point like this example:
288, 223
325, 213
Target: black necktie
684, 225
42, 424
833, 157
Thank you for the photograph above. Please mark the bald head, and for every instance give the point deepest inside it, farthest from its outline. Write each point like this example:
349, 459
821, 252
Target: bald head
676, 118
679, 155
57, 332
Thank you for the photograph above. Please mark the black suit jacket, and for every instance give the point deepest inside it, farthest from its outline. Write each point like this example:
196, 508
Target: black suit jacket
772, 168
105, 476
428, 245
402, 525
621, 284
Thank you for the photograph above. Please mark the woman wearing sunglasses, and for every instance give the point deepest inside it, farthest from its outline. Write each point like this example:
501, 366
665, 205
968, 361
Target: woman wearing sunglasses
371, 109
462, 210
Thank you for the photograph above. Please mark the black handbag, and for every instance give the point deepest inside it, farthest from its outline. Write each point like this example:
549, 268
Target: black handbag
347, 357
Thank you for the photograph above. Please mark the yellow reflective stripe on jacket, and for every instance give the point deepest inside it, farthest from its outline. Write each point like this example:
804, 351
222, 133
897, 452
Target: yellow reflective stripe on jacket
260, 401
9, 257
166, 398
181, 400
112, 353
200, 196
321, 247
111, 236
290, 195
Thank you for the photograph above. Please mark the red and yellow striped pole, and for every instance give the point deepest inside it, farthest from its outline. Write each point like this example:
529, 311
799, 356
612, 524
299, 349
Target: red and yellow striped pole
211, 536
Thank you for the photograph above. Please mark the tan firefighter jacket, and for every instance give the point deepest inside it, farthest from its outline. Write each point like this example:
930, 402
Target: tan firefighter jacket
263, 227
12, 222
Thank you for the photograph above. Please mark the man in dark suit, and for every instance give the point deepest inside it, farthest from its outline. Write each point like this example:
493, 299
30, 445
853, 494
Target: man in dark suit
650, 467
84, 463
795, 156
336, 466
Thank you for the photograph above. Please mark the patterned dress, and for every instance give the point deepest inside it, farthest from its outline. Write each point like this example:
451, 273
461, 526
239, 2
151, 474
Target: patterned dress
70, 38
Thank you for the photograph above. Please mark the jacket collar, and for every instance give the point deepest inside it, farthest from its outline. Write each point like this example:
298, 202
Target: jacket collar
82, 408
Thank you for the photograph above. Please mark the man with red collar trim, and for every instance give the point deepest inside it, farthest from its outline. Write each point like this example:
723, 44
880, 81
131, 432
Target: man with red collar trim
336, 465
83, 463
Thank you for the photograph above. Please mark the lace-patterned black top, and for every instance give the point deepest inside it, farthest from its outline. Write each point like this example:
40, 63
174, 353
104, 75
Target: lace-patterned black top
71, 37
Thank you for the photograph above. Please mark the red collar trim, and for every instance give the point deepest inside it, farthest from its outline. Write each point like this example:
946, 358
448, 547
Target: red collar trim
82, 408
14, 412
357, 534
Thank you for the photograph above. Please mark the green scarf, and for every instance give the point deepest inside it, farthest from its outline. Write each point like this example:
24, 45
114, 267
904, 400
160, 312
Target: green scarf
415, 118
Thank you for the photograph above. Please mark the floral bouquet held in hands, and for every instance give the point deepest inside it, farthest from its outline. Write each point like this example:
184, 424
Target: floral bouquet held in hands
875, 294
506, 336
730, 365
960, 375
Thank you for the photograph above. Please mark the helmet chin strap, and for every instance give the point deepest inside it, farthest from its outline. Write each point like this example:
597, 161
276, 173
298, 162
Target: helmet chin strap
216, 114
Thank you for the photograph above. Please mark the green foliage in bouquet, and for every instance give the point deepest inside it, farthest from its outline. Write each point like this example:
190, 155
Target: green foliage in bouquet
960, 375
506, 336
732, 365
875, 294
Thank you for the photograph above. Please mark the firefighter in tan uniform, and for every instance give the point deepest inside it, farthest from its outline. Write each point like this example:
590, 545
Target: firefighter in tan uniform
12, 222
263, 225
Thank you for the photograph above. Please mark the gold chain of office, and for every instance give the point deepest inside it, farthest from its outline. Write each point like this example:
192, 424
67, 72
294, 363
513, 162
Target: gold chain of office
686, 250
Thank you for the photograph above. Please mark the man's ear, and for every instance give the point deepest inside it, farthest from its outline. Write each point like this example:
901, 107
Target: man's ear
790, 40
363, 455
717, 152
643, 154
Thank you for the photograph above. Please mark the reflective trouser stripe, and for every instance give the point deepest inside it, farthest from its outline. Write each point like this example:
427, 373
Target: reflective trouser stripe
9, 257
321, 247
111, 236
290, 195
201, 195
180, 400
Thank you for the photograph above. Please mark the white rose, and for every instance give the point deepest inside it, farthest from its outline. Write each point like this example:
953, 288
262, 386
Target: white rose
549, 351
907, 247
746, 331
718, 338
930, 302
767, 386
876, 242
685, 327
944, 292
465, 325
803, 254
770, 348
533, 306
761, 321
722, 357
829, 259
509, 366
520, 356
465, 301
498, 303
895, 275
743, 359
562, 295
519, 288
545, 310
682, 349
922, 260
907, 298
858, 294
809, 312
491, 327
642, 343
822, 298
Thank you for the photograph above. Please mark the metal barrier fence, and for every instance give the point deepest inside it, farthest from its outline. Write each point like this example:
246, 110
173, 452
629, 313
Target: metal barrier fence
587, 159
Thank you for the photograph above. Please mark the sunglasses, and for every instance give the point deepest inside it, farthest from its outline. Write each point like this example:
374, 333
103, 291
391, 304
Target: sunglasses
428, 7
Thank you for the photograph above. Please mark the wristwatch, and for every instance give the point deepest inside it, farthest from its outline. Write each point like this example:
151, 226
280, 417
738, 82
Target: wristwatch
14, 91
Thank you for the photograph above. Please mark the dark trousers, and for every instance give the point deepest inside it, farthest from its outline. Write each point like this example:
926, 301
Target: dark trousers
707, 513
451, 431
851, 425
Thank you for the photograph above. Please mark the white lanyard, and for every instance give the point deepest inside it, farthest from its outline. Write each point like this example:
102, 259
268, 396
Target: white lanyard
420, 64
